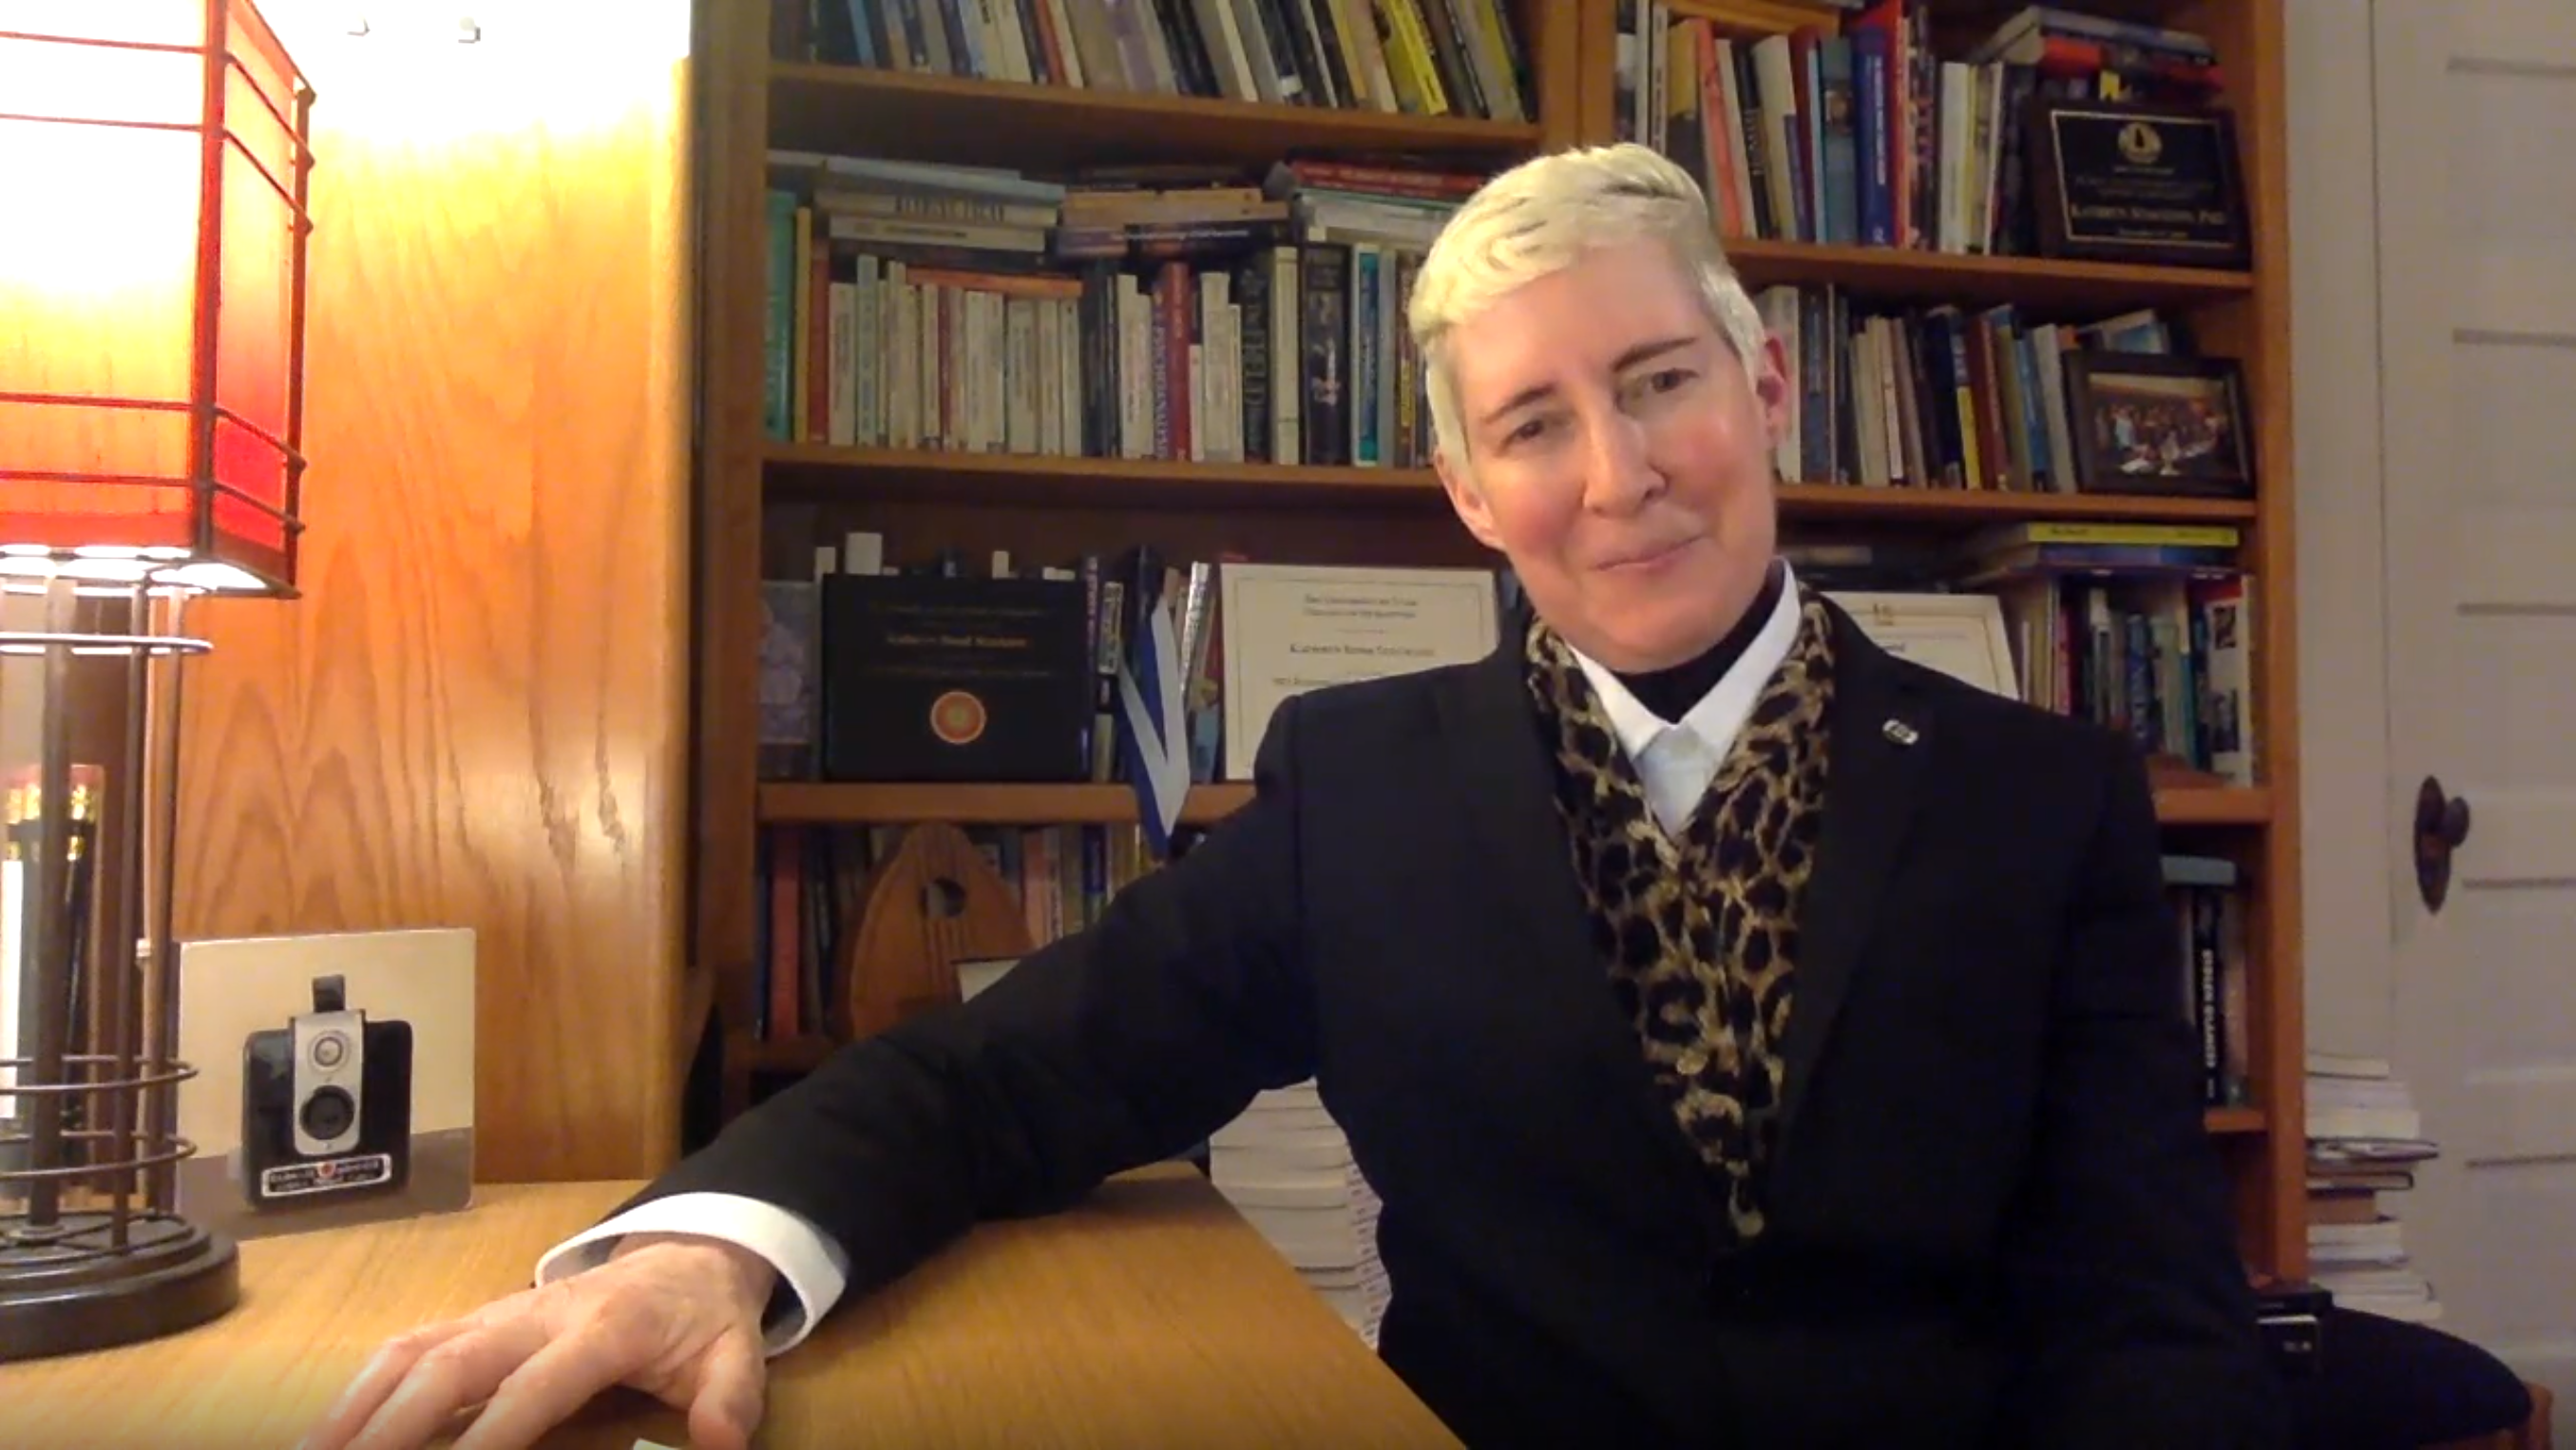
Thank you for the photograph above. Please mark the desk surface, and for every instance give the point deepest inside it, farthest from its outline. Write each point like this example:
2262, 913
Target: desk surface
1151, 1316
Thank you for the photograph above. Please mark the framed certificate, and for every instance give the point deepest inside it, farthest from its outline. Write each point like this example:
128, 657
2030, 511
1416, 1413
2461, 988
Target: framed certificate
1292, 627
1961, 635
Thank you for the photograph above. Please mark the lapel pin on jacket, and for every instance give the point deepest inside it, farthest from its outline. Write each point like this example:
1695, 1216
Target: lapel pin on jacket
1900, 732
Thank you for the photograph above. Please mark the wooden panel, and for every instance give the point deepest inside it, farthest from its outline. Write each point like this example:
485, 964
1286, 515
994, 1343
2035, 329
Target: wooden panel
473, 717
727, 639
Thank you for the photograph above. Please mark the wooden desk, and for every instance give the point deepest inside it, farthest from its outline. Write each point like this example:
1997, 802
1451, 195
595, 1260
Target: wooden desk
1150, 1317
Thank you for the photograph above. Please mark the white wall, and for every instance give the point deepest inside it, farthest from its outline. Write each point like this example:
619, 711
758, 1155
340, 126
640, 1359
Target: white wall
2346, 834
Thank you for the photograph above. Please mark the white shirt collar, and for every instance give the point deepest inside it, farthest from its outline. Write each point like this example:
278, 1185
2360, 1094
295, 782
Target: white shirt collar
1722, 711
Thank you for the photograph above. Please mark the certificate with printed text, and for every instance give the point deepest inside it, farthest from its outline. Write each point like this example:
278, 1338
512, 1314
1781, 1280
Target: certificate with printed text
1961, 635
1289, 628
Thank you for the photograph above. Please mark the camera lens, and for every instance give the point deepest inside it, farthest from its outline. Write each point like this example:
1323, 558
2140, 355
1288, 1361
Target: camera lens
330, 1050
328, 1113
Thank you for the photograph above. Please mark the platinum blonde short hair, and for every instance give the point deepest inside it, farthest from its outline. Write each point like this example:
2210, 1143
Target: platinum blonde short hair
1541, 216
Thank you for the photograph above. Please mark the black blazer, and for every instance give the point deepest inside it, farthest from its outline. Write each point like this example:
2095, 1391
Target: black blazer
1994, 1215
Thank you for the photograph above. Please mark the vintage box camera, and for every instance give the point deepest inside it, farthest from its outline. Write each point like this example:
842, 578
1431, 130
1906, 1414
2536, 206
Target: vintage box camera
326, 1104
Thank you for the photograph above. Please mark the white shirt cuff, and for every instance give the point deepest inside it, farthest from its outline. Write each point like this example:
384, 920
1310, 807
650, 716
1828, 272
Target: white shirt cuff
813, 1267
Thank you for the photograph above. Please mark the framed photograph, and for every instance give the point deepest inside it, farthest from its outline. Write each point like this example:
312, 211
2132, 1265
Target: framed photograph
2159, 423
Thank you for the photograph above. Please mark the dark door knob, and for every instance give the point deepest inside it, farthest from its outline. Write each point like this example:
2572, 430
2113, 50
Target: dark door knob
2441, 824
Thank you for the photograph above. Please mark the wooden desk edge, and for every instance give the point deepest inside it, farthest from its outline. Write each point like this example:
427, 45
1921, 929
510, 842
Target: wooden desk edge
1267, 1356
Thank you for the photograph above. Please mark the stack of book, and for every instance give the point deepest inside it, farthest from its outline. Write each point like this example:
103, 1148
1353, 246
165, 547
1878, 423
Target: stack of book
2364, 1139
1286, 1167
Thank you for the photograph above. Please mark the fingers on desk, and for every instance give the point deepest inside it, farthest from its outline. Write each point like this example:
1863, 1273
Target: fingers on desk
420, 1382
374, 1382
540, 1390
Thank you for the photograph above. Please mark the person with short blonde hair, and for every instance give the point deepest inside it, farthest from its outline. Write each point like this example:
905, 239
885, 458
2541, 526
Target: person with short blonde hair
1753, 1038
1542, 215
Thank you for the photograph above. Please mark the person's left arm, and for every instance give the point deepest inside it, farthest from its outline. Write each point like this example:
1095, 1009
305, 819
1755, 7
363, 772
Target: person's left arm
2124, 1282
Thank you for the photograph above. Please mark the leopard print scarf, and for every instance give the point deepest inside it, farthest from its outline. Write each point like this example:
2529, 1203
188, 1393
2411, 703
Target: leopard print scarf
1700, 933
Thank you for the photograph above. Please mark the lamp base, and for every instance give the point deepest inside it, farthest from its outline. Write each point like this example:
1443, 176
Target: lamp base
66, 1289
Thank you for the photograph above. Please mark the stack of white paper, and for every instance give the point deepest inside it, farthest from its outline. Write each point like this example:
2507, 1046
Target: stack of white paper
1286, 1167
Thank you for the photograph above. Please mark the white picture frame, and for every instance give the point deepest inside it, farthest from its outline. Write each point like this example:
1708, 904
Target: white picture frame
1961, 635
1290, 628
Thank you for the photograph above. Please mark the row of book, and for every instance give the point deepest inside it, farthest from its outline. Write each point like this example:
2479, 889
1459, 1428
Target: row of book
1858, 133
1838, 123
923, 307
931, 307
1945, 396
1416, 57
2146, 628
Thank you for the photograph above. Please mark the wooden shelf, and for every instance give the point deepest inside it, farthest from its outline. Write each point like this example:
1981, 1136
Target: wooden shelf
2213, 805
2237, 1121
823, 470
870, 803
1042, 127
814, 468
1987, 506
863, 803
1892, 274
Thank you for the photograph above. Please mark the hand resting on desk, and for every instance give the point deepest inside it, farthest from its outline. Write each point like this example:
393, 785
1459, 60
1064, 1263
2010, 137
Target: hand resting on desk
675, 1316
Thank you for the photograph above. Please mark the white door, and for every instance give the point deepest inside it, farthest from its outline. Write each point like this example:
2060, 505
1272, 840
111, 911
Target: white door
2476, 135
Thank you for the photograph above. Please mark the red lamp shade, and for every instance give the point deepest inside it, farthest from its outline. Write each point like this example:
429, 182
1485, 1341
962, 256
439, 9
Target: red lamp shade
153, 163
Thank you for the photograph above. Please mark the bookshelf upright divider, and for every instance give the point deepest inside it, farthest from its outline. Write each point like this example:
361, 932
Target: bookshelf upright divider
775, 486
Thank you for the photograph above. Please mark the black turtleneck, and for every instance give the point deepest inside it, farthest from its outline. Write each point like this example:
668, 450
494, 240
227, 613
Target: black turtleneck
1672, 691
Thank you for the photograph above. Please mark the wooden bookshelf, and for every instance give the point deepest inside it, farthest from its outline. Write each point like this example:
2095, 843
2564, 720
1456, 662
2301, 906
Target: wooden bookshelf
869, 803
1886, 274
2215, 805
1047, 508
1010, 478
1019, 124
2236, 1121
824, 802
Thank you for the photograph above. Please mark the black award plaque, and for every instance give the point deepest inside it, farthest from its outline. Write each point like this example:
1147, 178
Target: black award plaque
940, 679
2120, 182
